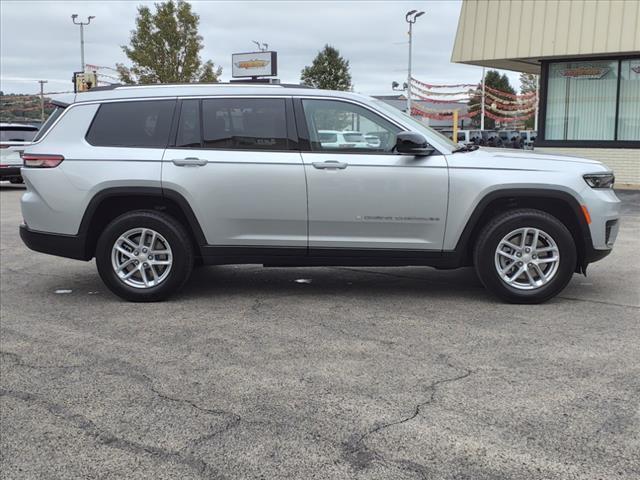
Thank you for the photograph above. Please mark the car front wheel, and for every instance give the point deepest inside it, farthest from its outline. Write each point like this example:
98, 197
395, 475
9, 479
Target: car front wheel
144, 256
525, 256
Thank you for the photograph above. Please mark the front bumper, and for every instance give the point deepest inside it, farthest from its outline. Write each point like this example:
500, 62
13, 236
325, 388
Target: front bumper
69, 246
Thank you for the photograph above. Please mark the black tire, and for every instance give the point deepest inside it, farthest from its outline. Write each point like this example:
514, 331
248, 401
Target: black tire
490, 237
174, 233
16, 180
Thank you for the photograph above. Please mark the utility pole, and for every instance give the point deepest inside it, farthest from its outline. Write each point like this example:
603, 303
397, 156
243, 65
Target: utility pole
42, 82
74, 17
410, 18
482, 103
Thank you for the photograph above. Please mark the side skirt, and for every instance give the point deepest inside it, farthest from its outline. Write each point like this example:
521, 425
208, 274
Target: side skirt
301, 257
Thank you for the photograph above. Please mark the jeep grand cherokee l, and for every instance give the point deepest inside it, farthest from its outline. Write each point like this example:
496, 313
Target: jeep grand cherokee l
151, 180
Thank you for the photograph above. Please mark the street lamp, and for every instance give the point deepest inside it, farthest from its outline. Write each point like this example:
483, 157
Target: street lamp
74, 17
411, 18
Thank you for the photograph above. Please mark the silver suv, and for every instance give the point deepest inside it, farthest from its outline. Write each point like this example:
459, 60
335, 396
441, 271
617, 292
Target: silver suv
152, 180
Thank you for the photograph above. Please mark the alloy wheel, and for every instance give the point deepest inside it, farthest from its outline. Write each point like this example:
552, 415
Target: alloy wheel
141, 258
527, 258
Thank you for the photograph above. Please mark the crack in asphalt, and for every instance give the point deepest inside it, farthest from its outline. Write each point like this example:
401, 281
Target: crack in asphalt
600, 302
108, 439
19, 361
361, 456
187, 402
235, 419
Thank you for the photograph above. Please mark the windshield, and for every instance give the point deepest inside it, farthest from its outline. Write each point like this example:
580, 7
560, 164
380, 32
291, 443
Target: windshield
418, 126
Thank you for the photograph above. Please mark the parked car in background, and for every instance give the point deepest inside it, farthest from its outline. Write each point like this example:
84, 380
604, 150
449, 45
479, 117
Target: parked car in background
509, 138
470, 137
373, 139
152, 179
342, 139
492, 139
528, 138
16, 134
14, 137
10, 164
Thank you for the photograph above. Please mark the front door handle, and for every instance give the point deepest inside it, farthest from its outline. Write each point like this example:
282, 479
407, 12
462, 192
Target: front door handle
189, 162
330, 164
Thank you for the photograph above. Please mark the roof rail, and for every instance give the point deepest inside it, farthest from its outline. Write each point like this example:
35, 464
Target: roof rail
247, 83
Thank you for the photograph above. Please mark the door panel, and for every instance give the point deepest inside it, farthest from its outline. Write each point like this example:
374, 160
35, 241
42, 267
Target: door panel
243, 198
377, 201
360, 194
244, 185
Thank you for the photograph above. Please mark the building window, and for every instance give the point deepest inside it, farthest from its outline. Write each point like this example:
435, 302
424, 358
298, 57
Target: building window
581, 101
629, 108
593, 100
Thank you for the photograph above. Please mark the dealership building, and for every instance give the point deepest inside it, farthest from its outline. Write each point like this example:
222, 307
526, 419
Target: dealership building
587, 54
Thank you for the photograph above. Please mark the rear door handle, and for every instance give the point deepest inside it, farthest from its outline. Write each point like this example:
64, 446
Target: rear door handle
189, 162
330, 164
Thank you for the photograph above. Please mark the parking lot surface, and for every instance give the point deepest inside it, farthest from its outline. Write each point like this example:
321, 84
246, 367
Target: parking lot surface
353, 373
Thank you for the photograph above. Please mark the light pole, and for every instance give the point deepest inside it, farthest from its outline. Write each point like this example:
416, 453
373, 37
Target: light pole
74, 17
411, 18
42, 82
482, 103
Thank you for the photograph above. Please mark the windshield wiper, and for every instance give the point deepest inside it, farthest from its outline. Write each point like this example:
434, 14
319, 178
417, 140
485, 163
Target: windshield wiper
466, 148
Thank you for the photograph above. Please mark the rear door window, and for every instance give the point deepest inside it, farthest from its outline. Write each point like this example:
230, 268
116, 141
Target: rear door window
132, 124
244, 124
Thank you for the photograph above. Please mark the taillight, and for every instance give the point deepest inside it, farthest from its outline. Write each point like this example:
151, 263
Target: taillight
41, 160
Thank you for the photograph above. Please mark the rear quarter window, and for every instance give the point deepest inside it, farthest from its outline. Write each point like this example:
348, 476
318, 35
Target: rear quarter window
48, 123
132, 124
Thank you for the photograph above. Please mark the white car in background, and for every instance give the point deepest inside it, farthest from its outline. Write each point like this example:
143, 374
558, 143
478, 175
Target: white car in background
343, 139
14, 137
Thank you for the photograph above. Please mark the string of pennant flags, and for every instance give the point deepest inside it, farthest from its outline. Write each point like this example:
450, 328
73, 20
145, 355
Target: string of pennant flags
499, 105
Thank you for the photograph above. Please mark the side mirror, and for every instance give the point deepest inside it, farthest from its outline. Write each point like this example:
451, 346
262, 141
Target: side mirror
412, 143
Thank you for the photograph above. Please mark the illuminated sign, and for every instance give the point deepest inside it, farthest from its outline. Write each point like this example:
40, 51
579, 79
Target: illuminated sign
585, 72
254, 64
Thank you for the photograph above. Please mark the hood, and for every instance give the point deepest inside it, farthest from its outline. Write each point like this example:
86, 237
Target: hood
494, 158
531, 156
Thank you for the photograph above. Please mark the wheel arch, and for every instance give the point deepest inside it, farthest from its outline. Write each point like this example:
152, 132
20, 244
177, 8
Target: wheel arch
560, 204
109, 203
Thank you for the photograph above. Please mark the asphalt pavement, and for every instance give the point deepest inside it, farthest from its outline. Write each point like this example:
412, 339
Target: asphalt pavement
317, 373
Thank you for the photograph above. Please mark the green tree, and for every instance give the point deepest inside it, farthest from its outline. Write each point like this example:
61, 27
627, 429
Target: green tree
528, 83
165, 47
329, 71
492, 79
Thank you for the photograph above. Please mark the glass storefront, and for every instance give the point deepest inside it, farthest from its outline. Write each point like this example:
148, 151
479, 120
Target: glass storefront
629, 109
593, 100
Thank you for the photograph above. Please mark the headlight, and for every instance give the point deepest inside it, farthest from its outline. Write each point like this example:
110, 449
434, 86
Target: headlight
600, 180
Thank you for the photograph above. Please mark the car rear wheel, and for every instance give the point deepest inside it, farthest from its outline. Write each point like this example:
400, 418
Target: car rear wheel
525, 256
144, 256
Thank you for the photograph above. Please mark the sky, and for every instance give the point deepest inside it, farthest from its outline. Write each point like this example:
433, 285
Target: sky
38, 40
